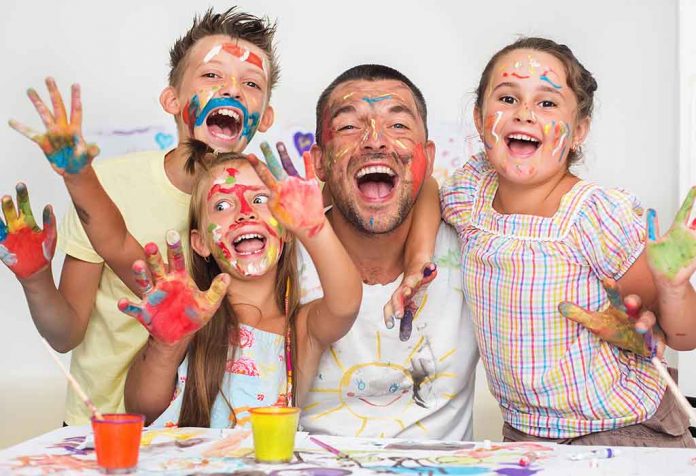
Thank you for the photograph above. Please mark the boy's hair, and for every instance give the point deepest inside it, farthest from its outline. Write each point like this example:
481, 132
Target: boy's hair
208, 350
236, 25
369, 72
579, 79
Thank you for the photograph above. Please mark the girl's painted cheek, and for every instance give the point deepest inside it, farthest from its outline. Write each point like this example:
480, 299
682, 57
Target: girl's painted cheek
491, 135
556, 133
215, 236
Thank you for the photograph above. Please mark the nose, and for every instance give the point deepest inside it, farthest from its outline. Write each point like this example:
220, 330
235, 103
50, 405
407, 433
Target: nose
524, 114
373, 139
231, 89
246, 216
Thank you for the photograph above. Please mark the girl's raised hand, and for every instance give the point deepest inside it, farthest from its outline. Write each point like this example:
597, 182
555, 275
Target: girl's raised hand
62, 142
616, 324
407, 299
172, 307
295, 202
672, 257
24, 247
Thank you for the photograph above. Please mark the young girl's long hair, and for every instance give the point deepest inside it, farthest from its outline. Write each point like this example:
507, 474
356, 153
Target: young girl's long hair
208, 351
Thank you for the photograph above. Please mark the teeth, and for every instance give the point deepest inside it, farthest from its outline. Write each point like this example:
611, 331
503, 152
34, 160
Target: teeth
376, 169
523, 137
228, 112
248, 236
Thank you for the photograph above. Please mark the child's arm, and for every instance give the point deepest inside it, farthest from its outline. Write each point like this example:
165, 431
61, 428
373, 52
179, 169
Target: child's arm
172, 310
297, 204
60, 316
71, 158
418, 269
672, 261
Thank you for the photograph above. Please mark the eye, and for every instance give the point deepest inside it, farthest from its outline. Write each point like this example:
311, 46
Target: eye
260, 199
399, 125
210, 75
346, 127
508, 99
252, 84
222, 205
547, 103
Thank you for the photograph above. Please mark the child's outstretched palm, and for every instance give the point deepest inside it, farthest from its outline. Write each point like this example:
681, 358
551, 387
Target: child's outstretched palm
24, 247
172, 307
62, 142
296, 202
672, 257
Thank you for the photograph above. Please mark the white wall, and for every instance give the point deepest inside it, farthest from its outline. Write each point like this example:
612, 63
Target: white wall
118, 51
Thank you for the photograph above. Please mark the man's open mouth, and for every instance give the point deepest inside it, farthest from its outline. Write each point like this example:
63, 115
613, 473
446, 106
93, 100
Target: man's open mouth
249, 244
224, 123
376, 182
522, 145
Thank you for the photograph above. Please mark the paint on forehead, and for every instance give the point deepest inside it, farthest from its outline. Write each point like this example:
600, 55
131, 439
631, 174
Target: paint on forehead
372, 100
545, 77
222, 182
244, 54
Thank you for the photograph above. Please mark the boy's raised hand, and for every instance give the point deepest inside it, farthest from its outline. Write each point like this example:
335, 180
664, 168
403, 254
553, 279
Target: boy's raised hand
617, 324
172, 307
62, 142
672, 257
24, 247
296, 202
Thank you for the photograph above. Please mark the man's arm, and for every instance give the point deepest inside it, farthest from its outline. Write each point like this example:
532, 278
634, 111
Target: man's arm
61, 314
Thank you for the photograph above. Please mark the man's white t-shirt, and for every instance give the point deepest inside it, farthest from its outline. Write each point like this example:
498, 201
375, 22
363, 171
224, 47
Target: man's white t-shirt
371, 384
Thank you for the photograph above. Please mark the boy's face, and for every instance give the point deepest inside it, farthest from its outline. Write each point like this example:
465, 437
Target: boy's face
223, 93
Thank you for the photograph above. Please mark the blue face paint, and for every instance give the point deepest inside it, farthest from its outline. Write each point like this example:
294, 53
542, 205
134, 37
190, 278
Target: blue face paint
651, 225
250, 122
546, 78
370, 100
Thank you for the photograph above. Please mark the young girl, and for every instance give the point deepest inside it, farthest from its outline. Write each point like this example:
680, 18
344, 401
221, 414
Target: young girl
534, 235
260, 344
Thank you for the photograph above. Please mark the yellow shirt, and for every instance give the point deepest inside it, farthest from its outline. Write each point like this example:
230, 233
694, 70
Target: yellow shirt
150, 205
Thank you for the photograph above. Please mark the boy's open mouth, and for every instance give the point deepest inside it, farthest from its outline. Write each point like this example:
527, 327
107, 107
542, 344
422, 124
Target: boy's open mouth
249, 244
522, 145
224, 123
376, 182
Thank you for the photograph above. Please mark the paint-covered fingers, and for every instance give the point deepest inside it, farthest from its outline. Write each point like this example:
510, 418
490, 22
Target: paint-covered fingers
133, 310
612, 289
652, 224
394, 309
684, 213
579, 315
59, 112
286, 160
142, 278
76, 109
24, 206
310, 174
26, 131
155, 262
10, 214
262, 171
274, 165
175, 253
44, 113
216, 293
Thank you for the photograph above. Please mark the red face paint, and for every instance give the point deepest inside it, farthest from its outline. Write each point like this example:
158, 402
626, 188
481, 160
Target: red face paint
419, 163
243, 54
239, 191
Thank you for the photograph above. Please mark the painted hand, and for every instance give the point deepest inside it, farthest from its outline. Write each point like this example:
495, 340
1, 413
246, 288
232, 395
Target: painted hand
24, 247
62, 142
172, 307
672, 258
295, 202
407, 299
617, 324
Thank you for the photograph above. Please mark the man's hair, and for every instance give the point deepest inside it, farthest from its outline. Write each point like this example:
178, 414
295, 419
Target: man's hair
236, 25
369, 72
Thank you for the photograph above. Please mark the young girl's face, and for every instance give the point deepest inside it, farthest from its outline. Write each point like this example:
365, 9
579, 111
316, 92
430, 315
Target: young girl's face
528, 121
236, 226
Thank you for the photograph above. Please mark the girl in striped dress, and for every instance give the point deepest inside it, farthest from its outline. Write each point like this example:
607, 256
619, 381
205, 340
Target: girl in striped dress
534, 235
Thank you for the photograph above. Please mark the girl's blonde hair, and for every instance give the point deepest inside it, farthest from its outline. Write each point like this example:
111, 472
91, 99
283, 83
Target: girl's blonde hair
208, 350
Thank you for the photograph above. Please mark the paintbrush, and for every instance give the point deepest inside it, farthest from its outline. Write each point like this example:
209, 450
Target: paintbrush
76, 386
330, 449
681, 399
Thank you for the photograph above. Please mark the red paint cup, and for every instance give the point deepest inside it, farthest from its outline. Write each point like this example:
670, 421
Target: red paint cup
117, 441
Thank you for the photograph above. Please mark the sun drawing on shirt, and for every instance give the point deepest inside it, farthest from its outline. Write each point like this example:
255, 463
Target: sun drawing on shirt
381, 392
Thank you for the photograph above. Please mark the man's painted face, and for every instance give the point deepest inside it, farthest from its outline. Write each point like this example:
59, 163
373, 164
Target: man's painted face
242, 234
224, 92
375, 155
528, 120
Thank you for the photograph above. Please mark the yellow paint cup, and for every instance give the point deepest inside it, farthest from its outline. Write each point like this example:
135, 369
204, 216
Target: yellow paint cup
274, 433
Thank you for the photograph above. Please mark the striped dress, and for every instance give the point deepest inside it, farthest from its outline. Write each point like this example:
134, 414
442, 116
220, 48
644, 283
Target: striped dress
551, 376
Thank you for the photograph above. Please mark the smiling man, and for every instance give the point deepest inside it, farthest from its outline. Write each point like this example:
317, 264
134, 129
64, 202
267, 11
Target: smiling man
374, 155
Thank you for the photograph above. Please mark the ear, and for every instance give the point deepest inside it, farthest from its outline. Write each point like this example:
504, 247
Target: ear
478, 121
430, 154
318, 160
199, 244
170, 101
582, 128
267, 119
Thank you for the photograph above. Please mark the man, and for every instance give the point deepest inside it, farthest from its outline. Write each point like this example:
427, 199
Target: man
374, 155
